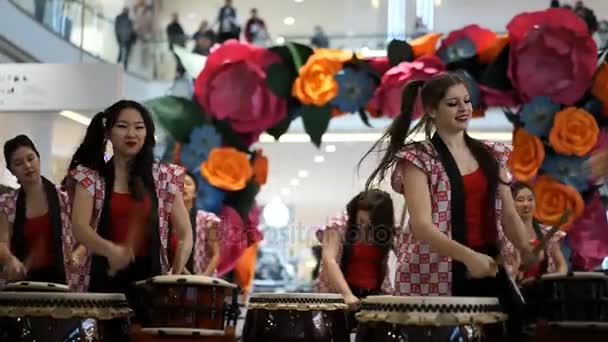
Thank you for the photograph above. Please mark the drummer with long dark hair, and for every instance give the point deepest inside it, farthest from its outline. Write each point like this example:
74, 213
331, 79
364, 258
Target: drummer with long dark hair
525, 204
458, 199
34, 221
356, 246
122, 208
205, 225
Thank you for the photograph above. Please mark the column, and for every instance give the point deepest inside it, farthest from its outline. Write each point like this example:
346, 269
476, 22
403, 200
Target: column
38, 126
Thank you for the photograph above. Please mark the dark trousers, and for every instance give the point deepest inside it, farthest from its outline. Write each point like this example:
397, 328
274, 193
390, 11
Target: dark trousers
124, 50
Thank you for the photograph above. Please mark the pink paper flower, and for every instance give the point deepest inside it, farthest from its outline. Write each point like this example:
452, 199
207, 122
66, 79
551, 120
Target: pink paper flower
235, 236
588, 237
497, 98
232, 87
551, 54
387, 98
379, 64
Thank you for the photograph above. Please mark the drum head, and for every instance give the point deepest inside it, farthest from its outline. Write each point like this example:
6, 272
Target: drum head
182, 332
574, 275
297, 301
33, 286
432, 301
196, 280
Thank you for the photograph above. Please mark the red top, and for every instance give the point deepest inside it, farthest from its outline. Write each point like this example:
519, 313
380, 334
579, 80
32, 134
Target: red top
38, 235
533, 271
481, 223
128, 219
364, 269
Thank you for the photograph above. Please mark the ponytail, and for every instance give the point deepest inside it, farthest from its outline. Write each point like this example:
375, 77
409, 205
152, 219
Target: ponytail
395, 137
91, 151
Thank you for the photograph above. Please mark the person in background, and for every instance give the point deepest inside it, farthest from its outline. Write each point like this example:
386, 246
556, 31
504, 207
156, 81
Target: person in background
39, 10
204, 31
554, 4
205, 225
254, 26
35, 229
125, 36
176, 36
525, 205
143, 24
355, 247
319, 38
122, 208
203, 45
228, 24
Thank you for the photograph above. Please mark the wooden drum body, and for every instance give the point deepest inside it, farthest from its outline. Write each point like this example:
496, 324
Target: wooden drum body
430, 319
562, 297
189, 302
180, 335
295, 317
63, 317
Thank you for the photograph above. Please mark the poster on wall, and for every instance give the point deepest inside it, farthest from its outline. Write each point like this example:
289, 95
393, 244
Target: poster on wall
55, 87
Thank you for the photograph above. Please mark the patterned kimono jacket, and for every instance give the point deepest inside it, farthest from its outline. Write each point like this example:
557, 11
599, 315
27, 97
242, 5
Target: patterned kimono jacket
204, 221
420, 271
8, 207
339, 223
169, 181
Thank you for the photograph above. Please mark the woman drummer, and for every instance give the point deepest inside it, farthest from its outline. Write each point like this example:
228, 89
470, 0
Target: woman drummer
122, 208
459, 202
355, 247
525, 205
206, 252
35, 228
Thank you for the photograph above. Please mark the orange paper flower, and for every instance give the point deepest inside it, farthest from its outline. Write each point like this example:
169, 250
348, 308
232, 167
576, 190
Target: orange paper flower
315, 84
552, 200
599, 88
425, 45
527, 156
227, 168
574, 131
260, 168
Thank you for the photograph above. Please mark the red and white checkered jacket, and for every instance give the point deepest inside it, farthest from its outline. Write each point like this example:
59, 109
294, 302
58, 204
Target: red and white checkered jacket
420, 271
169, 181
204, 222
8, 207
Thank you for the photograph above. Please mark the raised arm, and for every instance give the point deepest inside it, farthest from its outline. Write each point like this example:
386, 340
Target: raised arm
180, 222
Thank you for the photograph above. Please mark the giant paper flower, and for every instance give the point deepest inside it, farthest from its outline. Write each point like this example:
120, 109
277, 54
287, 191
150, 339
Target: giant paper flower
527, 156
465, 43
551, 54
588, 235
599, 88
232, 87
387, 98
227, 168
567, 170
574, 132
315, 84
355, 89
553, 198
425, 45
537, 115
202, 140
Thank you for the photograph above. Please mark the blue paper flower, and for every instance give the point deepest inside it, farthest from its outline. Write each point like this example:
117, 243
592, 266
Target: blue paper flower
566, 169
355, 89
202, 140
537, 115
472, 86
594, 106
463, 48
208, 197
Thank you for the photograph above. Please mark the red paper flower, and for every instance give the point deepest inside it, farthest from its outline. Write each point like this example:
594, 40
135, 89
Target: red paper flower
551, 54
387, 98
481, 37
232, 87
497, 98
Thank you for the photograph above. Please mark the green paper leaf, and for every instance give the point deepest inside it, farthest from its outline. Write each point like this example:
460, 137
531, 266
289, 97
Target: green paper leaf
229, 136
280, 78
280, 128
294, 54
316, 120
399, 51
242, 201
177, 115
364, 118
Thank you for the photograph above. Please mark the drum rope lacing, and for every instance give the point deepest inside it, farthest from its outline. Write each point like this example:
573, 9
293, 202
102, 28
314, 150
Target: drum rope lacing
440, 308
